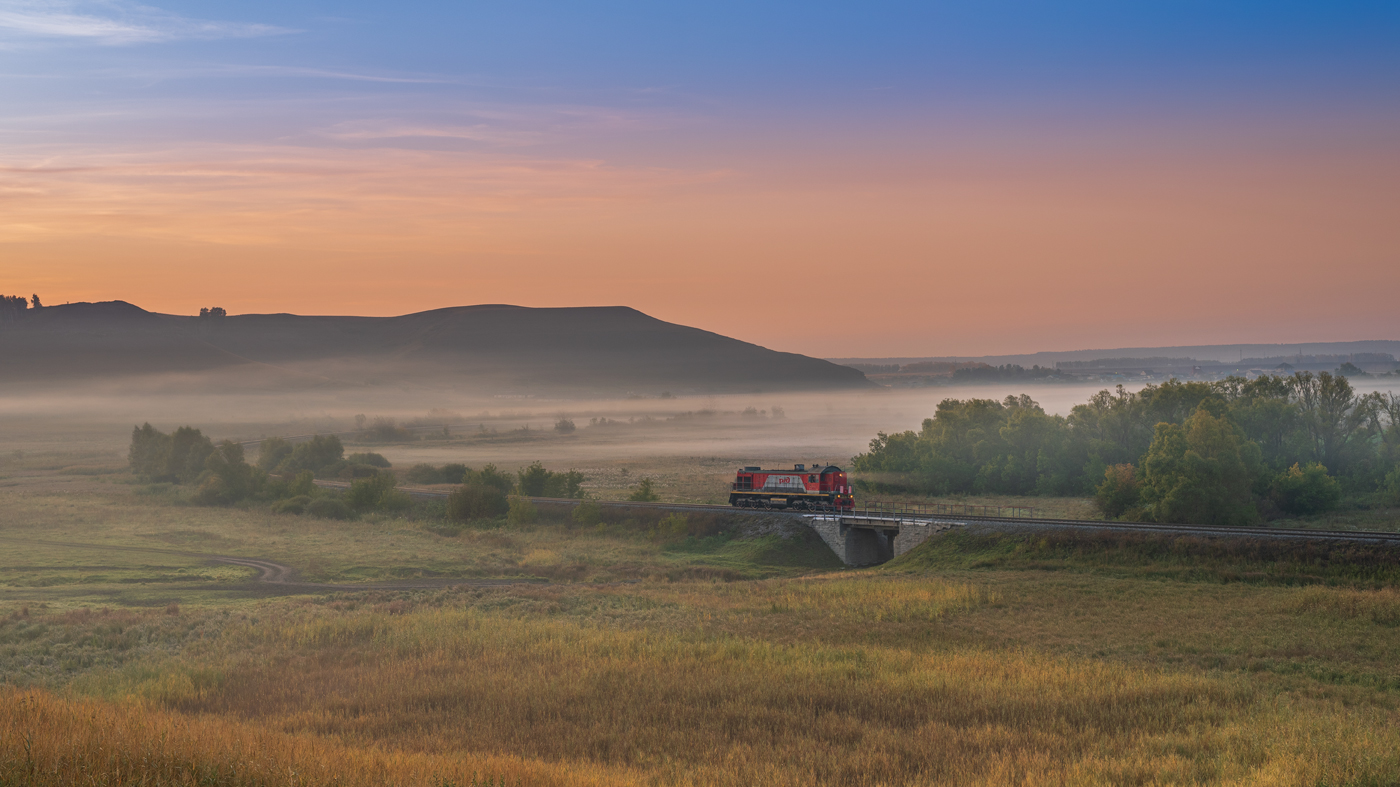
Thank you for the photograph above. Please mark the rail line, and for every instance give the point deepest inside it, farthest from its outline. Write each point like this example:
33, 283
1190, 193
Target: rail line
899, 513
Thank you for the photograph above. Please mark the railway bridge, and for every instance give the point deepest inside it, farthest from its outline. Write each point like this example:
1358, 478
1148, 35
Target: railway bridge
864, 539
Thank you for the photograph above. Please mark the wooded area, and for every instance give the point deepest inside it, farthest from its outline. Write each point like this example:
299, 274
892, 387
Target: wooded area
1226, 452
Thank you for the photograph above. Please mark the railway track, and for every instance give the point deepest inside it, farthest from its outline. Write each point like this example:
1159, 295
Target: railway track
1369, 536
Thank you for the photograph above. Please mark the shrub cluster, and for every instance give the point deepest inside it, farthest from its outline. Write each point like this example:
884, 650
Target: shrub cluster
488, 494
284, 474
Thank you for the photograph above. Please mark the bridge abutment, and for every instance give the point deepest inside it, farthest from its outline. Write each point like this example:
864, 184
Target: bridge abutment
866, 542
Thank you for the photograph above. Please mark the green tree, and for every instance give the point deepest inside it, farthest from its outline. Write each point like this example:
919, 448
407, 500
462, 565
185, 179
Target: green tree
1264, 409
377, 493
12, 307
188, 450
149, 455
535, 481
1336, 423
316, 454
1201, 472
490, 476
521, 511
1120, 491
272, 451
1390, 488
228, 478
476, 501
644, 492
1387, 410
588, 513
1305, 490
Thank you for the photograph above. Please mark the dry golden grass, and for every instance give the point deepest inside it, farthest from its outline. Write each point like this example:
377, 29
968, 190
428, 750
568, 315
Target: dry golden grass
671, 693
48, 741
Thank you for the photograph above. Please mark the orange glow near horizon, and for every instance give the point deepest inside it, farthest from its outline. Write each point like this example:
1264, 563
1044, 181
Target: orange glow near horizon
903, 254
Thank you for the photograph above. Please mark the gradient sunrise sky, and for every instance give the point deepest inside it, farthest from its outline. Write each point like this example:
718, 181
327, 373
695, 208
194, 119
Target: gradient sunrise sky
837, 179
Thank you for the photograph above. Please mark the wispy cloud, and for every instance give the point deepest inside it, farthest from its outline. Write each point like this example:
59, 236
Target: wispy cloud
322, 73
113, 23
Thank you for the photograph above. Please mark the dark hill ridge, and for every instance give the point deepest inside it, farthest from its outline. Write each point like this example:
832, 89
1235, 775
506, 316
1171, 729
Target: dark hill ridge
491, 347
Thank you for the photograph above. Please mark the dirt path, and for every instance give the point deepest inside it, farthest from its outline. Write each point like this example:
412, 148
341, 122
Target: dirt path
284, 577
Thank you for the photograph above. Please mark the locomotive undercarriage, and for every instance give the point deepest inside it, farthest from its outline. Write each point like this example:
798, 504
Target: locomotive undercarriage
784, 502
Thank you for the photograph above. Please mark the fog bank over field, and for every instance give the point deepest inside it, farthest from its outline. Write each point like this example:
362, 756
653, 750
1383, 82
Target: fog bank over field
434, 426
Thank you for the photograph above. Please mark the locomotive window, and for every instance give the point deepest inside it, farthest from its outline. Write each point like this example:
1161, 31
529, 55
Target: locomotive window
811, 479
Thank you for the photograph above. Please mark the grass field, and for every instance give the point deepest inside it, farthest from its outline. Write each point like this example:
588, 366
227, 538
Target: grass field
981, 658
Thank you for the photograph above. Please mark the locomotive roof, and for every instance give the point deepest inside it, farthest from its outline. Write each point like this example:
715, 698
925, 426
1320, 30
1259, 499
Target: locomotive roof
812, 469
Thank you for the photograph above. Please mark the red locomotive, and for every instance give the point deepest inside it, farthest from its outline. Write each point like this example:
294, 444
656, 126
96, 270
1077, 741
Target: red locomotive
798, 488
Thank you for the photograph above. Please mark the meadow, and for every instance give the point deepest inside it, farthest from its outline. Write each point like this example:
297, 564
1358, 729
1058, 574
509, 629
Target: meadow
623, 655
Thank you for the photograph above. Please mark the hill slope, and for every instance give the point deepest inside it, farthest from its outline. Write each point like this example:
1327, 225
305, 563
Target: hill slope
489, 348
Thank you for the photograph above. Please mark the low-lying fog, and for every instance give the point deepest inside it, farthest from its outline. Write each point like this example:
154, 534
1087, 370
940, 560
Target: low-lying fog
809, 427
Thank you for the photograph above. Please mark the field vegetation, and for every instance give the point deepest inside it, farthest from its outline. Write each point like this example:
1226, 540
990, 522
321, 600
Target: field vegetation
945, 668
654, 648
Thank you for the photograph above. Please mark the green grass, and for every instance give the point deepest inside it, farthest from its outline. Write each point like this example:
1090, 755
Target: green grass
142, 546
1158, 557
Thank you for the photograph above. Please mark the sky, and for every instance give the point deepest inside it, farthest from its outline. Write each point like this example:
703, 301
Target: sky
837, 179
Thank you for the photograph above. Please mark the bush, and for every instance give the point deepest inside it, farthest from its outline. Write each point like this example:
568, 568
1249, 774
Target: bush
1390, 488
644, 493
316, 454
564, 426
292, 505
535, 481
376, 493
272, 452
489, 476
302, 484
1305, 490
428, 474
1119, 491
588, 513
522, 511
423, 473
178, 457
395, 500
372, 459
350, 470
454, 473
670, 528
385, 430
476, 501
329, 508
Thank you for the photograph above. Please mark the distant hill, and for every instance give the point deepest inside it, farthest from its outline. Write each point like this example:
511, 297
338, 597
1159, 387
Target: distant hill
1303, 355
491, 348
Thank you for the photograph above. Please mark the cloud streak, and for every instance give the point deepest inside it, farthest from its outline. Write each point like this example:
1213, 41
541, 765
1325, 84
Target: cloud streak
113, 24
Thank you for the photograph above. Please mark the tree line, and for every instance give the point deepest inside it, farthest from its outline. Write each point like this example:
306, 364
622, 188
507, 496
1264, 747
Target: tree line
284, 475
1226, 452
12, 307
